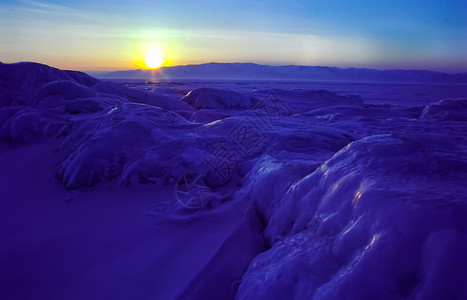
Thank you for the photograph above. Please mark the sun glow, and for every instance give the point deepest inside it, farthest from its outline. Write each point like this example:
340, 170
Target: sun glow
154, 59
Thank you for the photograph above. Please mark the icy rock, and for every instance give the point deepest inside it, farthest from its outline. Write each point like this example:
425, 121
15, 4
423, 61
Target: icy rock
103, 156
216, 99
363, 225
51, 94
446, 110
158, 163
19, 82
28, 123
82, 78
134, 139
138, 96
89, 105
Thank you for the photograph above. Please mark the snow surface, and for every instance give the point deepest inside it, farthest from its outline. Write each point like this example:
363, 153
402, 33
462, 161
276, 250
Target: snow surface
211, 190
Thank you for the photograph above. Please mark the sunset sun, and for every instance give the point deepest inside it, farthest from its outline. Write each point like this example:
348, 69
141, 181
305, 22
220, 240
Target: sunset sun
154, 59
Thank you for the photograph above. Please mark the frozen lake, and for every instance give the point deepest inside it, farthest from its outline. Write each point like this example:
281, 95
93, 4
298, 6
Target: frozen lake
230, 189
404, 94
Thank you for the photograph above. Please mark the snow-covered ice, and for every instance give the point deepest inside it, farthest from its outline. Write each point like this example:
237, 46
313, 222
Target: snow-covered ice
230, 189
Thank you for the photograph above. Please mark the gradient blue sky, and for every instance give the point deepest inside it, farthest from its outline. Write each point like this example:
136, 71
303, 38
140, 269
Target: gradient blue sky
95, 35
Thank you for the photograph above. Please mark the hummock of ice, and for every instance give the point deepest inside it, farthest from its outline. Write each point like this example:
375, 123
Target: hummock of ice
142, 142
20, 81
446, 110
216, 98
355, 201
360, 227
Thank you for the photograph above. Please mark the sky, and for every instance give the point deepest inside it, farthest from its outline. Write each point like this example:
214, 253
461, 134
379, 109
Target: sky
93, 35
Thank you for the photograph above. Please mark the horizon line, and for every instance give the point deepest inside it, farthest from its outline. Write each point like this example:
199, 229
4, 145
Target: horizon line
285, 65
242, 63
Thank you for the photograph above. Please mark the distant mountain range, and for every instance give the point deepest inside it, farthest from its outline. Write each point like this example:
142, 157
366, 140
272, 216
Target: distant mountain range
250, 71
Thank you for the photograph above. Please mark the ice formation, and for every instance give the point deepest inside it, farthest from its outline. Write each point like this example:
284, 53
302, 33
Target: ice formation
273, 193
360, 227
216, 98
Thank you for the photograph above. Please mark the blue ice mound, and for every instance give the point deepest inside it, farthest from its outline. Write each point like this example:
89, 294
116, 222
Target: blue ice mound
138, 141
216, 99
40, 101
25, 83
62, 90
446, 110
22, 125
19, 82
381, 219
